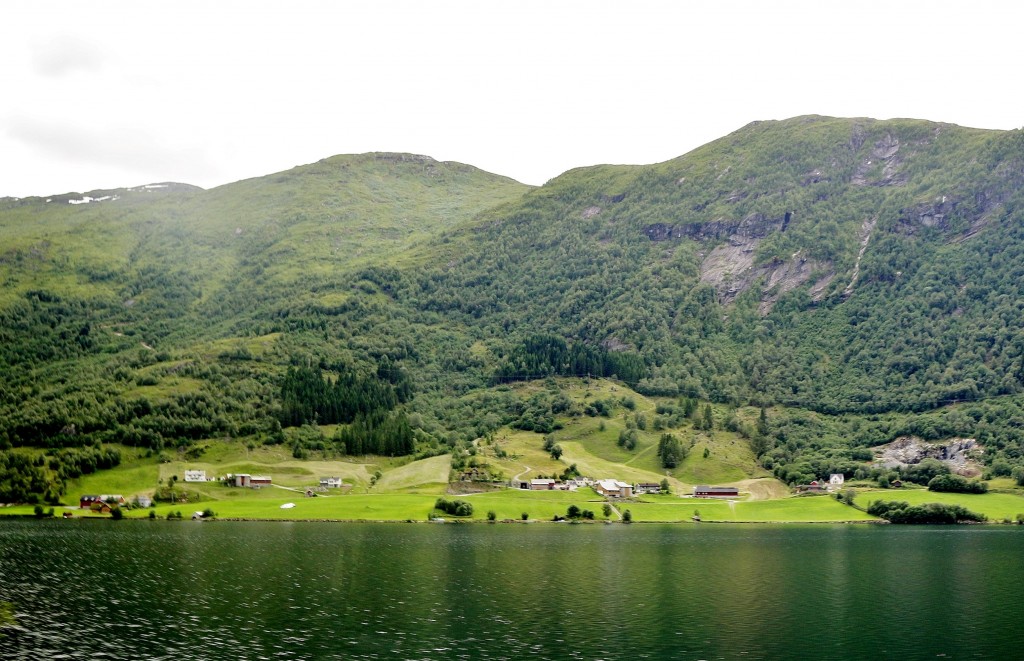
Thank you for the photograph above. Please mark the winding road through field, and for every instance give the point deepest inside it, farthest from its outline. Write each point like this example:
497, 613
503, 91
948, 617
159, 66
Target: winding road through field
526, 469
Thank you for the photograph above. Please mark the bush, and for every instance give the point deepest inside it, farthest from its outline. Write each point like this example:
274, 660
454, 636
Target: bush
491, 516
950, 483
627, 517
924, 472
454, 507
525, 516
928, 513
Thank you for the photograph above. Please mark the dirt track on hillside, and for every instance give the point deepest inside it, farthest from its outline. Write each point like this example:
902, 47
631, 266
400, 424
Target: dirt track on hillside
764, 488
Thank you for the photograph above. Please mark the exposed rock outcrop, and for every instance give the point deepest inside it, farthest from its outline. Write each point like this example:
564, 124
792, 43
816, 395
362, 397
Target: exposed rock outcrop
957, 453
754, 226
880, 167
729, 267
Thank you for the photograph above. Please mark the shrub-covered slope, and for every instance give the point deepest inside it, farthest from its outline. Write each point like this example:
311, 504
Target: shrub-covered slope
841, 265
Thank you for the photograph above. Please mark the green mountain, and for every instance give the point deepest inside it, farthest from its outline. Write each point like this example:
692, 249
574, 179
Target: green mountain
859, 279
833, 264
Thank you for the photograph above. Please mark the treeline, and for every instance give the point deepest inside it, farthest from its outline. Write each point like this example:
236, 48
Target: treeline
29, 479
540, 356
928, 513
307, 397
22, 479
75, 462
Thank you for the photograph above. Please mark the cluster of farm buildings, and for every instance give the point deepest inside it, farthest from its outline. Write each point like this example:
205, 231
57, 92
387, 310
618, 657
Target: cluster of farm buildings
104, 502
618, 489
608, 488
248, 481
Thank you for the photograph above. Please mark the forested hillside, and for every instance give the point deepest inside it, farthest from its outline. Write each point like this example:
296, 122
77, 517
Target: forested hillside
858, 279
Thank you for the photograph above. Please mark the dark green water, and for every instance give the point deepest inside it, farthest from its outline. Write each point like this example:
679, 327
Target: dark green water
159, 590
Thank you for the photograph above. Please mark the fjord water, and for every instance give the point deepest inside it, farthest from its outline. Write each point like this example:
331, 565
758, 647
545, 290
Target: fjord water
162, 590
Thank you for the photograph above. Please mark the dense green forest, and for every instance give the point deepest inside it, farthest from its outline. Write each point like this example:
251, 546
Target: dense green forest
858, 280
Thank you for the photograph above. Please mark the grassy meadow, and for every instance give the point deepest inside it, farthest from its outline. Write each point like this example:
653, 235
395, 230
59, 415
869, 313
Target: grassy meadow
405, 489
996, 506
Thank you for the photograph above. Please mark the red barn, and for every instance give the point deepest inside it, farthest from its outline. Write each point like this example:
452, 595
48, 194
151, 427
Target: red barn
703, 491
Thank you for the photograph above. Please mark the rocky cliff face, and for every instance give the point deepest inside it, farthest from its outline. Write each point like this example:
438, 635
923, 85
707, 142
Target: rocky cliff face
754, 226
729, 267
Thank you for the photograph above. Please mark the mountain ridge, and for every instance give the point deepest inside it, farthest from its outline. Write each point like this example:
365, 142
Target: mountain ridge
822, 267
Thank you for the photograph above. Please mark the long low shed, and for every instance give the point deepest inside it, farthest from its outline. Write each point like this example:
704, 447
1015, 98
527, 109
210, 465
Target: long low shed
703, 491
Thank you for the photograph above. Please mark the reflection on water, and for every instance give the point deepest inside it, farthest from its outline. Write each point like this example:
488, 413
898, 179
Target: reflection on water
160, 590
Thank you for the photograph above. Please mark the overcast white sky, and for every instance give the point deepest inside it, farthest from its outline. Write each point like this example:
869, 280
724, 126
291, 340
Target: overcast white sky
121, 93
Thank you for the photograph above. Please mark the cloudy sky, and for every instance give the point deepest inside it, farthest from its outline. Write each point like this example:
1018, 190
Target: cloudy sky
121, 93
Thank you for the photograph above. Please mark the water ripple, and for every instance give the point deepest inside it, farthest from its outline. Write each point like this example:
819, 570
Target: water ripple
318, 591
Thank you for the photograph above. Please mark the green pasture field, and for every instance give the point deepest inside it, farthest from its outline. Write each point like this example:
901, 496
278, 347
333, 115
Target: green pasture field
996, 506
815, 509
539, 505
543, 506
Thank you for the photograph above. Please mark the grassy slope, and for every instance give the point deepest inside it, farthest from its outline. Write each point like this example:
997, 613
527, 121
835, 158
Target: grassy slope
597, 454
173, 269
310, 221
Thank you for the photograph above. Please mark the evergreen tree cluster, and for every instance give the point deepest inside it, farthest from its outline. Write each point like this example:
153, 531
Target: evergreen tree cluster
671, 451
540, 356
307, 397
378, 432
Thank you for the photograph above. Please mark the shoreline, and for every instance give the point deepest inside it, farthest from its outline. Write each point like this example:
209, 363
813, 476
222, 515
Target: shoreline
467, 521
